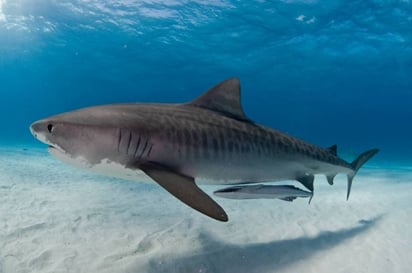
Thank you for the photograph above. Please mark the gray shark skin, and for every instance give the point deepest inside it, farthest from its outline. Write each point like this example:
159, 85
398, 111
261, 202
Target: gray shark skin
208, 140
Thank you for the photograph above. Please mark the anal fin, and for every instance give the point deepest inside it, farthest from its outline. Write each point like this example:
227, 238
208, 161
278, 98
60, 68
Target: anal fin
185, 189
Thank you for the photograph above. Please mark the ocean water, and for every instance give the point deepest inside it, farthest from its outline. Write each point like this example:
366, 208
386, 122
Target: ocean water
330, 72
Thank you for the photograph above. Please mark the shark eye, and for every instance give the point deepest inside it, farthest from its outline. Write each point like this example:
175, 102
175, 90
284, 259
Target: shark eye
50, 128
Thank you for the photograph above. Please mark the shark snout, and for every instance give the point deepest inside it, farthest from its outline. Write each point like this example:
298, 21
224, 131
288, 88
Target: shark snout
36, 128
41, 128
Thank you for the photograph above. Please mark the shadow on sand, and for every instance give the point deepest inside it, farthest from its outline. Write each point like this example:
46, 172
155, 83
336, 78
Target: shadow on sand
216, 256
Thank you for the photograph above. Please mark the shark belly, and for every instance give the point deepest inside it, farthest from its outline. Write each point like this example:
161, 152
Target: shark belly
107, 167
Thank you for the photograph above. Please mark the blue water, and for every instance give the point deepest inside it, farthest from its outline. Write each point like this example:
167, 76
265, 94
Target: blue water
328, 72
325, 71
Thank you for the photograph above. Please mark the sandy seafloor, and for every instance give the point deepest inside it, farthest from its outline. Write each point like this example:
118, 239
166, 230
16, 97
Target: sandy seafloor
55, 218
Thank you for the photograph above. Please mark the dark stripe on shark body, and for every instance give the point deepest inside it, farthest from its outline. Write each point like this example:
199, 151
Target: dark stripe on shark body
196, 143
150, 151
189, 141
205, 145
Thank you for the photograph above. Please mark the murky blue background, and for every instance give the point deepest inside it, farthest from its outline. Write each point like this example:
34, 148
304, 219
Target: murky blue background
326, 71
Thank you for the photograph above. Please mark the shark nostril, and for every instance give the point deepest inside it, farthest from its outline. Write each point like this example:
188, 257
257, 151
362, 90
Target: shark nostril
50, 128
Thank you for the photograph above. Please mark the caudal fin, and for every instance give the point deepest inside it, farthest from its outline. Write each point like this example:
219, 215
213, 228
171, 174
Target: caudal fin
357, 164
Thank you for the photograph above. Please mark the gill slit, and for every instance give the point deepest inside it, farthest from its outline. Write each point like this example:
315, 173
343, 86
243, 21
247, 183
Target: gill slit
119, 139
150, 150
137, 147
144, 148
128, 143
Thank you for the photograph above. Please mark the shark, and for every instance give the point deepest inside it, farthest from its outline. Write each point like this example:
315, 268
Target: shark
208, 140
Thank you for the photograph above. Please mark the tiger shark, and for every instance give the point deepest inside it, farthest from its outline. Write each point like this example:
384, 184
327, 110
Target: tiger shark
209, 140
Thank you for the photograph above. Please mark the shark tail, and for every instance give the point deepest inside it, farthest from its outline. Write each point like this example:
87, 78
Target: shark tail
357, 164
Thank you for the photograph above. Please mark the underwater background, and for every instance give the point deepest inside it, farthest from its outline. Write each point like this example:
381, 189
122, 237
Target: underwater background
329, 72
325, 71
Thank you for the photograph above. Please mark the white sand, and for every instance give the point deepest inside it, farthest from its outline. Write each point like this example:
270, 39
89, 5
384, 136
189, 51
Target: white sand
54, 218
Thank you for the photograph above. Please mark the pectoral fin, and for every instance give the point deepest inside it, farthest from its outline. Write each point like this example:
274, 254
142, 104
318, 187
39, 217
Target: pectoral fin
185, 189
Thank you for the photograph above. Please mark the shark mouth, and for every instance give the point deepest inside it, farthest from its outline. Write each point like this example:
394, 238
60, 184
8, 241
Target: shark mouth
51, 147
57, 151
68, 158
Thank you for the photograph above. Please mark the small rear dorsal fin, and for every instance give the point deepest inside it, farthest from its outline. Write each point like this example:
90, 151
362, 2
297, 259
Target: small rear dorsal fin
330, 178
333, 149
223, 98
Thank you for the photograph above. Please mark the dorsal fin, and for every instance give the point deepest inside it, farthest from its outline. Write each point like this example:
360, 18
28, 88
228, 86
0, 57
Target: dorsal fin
333, 150
223, 98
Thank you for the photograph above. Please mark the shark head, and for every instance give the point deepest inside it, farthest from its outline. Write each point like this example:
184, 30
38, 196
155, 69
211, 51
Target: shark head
79, 136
